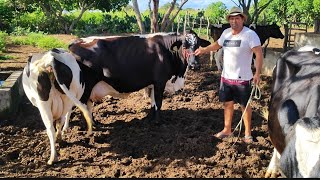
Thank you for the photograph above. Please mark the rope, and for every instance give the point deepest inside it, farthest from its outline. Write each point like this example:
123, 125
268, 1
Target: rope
256, 94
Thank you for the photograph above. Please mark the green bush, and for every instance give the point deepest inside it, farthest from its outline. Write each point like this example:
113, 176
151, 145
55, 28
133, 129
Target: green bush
6, 15
40, 40
34, 21
48, 42
20, 31
37, 21
3, 40
5, 57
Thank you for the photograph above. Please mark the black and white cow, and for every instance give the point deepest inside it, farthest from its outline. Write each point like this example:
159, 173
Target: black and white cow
294, 114
131, 63
264, 32
54, 83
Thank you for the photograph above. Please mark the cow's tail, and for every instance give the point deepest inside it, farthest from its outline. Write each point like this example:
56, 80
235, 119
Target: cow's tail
59, 69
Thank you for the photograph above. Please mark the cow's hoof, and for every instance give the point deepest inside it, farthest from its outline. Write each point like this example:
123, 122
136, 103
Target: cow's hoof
52, 160
65, 131
89, 132
271, 174
58, 137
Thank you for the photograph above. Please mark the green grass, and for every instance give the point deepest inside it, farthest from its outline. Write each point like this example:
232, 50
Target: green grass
40, 40
3, 39
5, 57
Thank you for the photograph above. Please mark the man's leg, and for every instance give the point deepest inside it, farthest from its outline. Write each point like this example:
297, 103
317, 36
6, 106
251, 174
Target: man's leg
228, 115
247, 120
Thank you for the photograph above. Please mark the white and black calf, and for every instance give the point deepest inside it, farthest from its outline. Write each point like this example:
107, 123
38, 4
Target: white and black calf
157, 61
53, 82
294, 115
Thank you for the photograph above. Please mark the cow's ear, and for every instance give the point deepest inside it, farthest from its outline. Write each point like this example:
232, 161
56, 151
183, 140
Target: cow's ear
204, 43
176, 45
288, 115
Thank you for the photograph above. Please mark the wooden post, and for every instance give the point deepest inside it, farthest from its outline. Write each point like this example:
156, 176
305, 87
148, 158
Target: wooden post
193, 22
286, 33
172, 26
188, 19
185, 23
178, 24
211, 59
208, 26
200, 25
317, 25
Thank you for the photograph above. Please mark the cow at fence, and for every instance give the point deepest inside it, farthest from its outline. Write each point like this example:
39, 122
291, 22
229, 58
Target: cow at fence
264, 32
294, 114
131, 63
53, 83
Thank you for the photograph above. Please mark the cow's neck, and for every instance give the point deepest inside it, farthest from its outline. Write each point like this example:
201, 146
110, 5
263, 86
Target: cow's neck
171, 39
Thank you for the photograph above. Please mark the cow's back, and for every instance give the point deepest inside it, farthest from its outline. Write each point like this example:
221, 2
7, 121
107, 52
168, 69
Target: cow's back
128, 63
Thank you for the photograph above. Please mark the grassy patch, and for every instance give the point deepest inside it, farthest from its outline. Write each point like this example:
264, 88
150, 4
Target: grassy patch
3, 39
38, 40
5, 57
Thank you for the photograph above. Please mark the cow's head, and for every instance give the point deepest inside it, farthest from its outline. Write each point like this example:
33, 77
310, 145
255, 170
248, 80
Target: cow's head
275, 31
189, 45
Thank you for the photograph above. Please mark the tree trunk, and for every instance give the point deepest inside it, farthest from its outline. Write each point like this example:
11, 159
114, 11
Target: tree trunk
150, 16
285, 42
257, 9
155, 16
138, 16
83, 7
74, 22
165, 21
175, 15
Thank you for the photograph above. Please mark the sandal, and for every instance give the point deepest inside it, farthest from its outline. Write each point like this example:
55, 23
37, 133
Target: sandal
247, 139
220, 135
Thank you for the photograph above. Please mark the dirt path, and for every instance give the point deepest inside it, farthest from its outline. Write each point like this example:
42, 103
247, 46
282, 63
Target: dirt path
128, 145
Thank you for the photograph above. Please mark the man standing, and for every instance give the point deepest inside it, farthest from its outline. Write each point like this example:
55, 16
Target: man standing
239, 43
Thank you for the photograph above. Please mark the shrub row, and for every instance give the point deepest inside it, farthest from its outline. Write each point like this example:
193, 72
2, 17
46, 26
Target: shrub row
39, 39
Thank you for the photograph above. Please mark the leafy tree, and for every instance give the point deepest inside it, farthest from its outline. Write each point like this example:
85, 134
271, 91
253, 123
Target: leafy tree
216, 12
285, 11
258, 8
138, 16
55, 9
167, 19
6, 14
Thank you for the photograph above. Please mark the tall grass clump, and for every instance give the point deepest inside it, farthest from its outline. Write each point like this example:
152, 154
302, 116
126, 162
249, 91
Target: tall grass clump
48, 42
3, 40
39, 39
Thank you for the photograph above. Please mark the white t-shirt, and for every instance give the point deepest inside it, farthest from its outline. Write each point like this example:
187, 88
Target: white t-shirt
237, 53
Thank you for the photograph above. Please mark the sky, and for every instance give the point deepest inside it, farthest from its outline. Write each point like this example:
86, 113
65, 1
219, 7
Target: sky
195, 4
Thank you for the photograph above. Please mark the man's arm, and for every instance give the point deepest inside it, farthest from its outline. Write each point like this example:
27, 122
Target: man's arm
259, 60
212, 47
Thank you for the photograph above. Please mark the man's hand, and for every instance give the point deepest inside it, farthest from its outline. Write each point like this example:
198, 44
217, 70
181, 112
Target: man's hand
256, 79
199, 51
212, 47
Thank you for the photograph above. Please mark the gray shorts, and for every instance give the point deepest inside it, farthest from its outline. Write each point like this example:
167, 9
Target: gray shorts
238, 93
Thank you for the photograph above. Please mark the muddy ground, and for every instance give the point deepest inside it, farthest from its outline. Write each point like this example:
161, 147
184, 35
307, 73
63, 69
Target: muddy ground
126, 144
